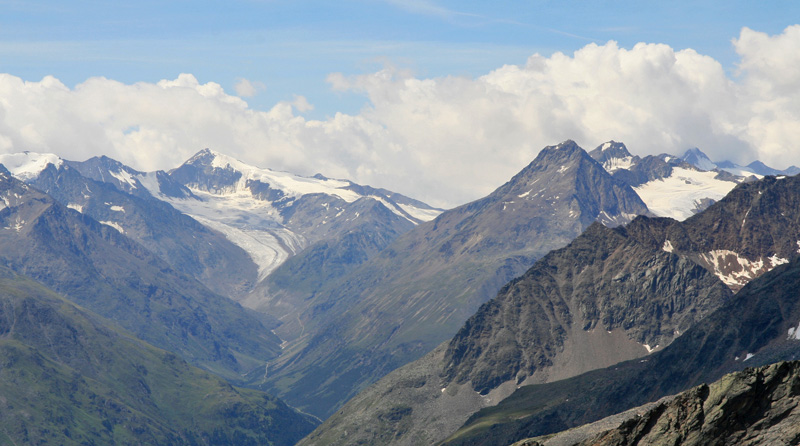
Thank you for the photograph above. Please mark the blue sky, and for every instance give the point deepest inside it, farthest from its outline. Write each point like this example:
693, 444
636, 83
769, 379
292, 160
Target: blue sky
441, 100
288, 48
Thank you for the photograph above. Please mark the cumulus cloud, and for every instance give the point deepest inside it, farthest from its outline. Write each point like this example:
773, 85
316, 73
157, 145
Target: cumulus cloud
445, 140
247, 89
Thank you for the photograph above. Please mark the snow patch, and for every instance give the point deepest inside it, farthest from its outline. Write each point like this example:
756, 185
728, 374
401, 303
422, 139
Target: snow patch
150, 182
794, 333
117, 208
77, 207
17, 225
748, 356
420, 213
563, 169
114, 225
667, 246
735, 270
290, 184
267, 247
124, 177
396, 209
741, 171
614, 164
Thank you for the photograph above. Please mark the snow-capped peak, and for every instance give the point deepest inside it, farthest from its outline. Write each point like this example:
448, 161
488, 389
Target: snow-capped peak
28, 165
697, 158
613, 156
290, 185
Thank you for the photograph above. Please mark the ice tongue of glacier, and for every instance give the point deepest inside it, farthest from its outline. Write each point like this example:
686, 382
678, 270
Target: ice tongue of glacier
252, 206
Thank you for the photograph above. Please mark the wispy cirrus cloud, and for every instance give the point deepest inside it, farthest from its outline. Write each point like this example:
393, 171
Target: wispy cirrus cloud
428, 7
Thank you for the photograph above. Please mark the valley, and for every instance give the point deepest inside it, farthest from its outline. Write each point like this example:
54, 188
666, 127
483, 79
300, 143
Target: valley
395, 322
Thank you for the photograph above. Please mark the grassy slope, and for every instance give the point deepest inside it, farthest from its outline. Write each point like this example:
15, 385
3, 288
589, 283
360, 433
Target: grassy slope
66, 377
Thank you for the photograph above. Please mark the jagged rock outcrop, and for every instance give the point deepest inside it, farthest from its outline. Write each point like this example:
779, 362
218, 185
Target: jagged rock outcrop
562, 313
759, 406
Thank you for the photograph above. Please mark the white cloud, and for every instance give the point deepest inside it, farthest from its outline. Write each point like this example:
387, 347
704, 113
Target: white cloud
247, 89
444, 140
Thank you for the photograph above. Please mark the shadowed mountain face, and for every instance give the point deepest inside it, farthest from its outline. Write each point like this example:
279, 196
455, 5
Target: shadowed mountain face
98, 268
68, 377
758, 326
420, 289
609, 296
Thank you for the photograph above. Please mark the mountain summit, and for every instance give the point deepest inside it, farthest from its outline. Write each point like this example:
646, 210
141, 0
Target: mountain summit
697, 158
422, 287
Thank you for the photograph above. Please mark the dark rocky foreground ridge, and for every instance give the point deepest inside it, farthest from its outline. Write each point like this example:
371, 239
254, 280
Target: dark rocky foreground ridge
610, 293
758, 406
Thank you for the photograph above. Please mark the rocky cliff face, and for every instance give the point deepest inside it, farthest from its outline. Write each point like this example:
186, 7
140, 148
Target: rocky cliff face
757, 327
758, 406
603, 299
559, 319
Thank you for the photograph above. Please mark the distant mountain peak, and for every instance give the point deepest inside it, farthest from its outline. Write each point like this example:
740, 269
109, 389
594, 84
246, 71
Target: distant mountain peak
697, 158
613, 156
204, 157
28, 165
568, 146
560, 153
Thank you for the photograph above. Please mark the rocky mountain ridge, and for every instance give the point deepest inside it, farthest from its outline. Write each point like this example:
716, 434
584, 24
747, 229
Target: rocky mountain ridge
328, 241
607, 292
123, 203
418, 291
97, 267
757, 327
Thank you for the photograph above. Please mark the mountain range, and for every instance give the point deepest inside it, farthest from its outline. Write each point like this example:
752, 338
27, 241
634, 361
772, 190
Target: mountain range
610, 295
343, 283
417, 291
